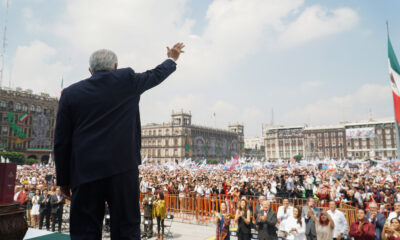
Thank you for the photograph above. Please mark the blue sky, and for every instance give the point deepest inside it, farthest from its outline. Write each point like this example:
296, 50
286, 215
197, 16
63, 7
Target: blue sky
313, 62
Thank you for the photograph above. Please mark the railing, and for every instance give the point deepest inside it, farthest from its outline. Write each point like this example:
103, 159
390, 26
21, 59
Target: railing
202, 210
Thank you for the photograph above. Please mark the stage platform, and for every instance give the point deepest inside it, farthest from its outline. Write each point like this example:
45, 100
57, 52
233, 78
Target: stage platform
36, 234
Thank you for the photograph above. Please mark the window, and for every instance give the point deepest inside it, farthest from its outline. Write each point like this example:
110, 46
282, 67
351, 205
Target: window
25, 108
10, 106
18, 107
45, 111
4, 129
32, 108
387, 131
379, 131
3, 104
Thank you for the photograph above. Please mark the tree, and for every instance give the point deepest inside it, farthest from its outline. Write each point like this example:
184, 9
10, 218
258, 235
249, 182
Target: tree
31, 161
298, 157
16, 157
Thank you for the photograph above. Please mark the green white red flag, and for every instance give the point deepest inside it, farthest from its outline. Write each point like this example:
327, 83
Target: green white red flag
23, 117
394, 72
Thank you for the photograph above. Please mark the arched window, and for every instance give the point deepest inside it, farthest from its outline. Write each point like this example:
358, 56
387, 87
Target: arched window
38, 109
3, 104
33, 108
18, 107
25, 107
10, 106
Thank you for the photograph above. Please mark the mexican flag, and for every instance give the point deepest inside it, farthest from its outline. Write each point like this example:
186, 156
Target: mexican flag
394, 72
23, 117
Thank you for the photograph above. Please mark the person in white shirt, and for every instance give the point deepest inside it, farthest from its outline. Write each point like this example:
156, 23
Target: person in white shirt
395, 213
341, 226
284, 212
295, 226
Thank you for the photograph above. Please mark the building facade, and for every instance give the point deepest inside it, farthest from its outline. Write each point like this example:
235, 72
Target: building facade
367, 139
374, 139
283, 142
321, 142
254, 147
180, 139
27, 122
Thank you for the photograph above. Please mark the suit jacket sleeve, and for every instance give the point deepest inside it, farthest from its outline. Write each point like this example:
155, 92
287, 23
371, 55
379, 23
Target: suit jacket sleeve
271, 219
380, 221
152, 78
63, 142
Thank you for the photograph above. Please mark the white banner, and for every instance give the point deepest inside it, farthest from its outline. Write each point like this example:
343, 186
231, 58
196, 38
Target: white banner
356, 133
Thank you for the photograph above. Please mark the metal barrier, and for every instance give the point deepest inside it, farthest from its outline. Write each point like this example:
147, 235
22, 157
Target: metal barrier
202, 210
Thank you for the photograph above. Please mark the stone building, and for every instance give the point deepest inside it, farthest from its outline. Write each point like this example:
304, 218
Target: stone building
180, 139
27, 122
325, 141
373, 139
283, 142
366, 139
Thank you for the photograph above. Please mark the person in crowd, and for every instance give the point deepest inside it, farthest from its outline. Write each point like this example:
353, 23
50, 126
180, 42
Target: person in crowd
243, 219
377, 219
340, 221
31, 193
160, 213
284, 212
148, 203
223, 223
45, 209
295, 226
362, 229
266, 221
35, 209
57, 202
395, 213
391, 231
324, 225
311, 233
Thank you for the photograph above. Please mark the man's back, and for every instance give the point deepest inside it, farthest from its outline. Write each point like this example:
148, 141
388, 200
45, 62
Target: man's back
101, 114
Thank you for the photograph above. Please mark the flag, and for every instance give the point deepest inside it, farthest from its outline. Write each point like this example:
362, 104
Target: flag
234, 163
394, 72
62, 84
23, 117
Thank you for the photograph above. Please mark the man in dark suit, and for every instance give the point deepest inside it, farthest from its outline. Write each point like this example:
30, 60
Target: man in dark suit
311, 233
44, 209
266, 221
57, 202
377, 219
97, 144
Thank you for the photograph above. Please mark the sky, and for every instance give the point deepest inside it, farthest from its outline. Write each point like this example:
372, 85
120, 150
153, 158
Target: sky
312, 62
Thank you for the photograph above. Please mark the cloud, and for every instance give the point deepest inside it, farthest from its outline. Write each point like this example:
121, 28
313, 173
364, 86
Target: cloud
311, 84
351, 107
35, 67
316, 22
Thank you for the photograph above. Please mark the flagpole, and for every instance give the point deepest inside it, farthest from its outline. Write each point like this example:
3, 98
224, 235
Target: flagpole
396, 124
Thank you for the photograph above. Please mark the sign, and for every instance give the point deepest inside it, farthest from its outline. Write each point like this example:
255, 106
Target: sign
357, 133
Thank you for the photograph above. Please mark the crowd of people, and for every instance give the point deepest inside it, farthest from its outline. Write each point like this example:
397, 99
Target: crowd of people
373, 190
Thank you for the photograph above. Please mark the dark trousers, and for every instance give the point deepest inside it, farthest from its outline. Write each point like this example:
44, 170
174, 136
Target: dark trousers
160, 225
148, 226
311, 237
244, 236
56, 218
121, 192
44, 214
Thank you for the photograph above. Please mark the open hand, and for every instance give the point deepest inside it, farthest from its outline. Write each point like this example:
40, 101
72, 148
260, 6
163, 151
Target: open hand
175, 51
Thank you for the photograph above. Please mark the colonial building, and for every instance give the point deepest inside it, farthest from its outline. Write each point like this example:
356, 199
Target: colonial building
283, 142
367, 139
254, 147
27, 122
371, 139
321, 142
180, 139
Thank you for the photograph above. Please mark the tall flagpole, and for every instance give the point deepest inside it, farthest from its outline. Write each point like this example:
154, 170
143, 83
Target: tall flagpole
396, 124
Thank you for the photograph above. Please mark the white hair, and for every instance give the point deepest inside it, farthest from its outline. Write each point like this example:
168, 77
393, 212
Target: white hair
103, 59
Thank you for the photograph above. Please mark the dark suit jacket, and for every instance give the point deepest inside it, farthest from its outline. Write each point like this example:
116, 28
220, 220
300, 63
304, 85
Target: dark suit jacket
267, 229
379, 223
98, 131
44, 206
56, 207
